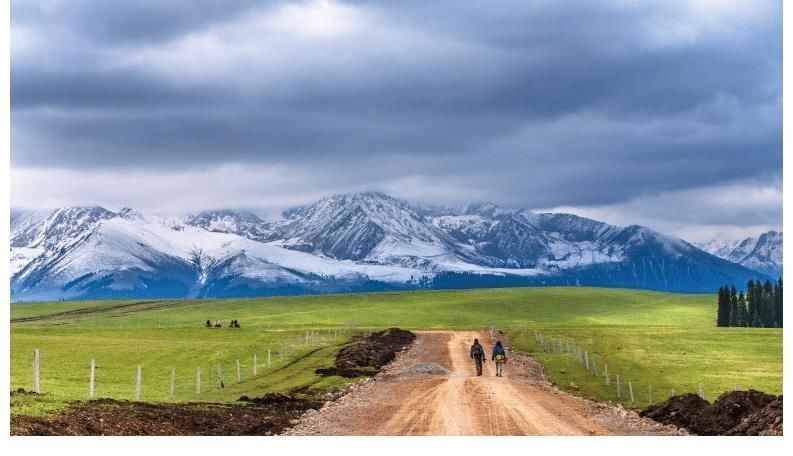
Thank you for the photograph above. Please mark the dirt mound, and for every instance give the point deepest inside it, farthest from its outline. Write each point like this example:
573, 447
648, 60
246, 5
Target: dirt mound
283, 402
733, 413
728, 410
269, 415
366, 356
766, 421
677, 410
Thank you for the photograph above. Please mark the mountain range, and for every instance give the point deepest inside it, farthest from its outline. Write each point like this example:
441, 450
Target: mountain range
351, 242
762, 254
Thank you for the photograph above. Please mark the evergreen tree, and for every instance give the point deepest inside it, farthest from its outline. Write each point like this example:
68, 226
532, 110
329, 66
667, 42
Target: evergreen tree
735, 312
767, 305
778, 303
723, 307
743, 314
756, 321
751, 302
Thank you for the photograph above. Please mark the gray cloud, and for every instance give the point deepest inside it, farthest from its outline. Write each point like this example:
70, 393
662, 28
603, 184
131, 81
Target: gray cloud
531, 104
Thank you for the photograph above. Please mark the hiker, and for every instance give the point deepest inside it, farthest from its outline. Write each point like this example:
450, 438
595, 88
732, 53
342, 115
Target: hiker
209, 324
500, 357
478, 355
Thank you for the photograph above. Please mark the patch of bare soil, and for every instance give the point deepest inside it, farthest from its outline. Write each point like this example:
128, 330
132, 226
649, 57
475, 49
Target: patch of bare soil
125, 308
367, 356
268, 415
733, 413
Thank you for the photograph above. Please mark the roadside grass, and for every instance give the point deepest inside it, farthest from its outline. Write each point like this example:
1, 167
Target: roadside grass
669, 340
662, 358
65, 355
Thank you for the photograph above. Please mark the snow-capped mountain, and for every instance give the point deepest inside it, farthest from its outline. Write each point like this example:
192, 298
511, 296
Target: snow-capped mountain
358, 241
762, 254
226, 221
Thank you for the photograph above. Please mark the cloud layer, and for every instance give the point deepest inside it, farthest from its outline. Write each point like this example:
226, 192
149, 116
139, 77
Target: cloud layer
531, 104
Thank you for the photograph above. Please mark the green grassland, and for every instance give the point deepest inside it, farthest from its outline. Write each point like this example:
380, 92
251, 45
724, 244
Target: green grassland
649, 338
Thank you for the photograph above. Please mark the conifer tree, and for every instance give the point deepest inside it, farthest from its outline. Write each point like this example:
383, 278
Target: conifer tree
735, 313
751, 304
723, 307
743, 314
778, 303
756, 321
767, 305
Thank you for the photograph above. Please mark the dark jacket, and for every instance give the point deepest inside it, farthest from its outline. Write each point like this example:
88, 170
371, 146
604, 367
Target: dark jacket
498, 350
482, 356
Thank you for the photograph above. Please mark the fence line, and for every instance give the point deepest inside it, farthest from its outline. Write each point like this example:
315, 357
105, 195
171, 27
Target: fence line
285, 349
589, 362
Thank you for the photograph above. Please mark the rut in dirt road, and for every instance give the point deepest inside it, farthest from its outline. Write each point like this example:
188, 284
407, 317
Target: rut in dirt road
457, 402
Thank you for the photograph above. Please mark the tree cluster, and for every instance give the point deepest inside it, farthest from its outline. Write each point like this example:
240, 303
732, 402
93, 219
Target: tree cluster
759, 307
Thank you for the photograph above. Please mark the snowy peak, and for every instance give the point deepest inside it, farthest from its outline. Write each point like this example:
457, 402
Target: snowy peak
364, 225
762, 254
241, 223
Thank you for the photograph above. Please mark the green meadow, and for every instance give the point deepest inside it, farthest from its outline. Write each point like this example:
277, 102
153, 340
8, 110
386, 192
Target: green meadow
666, 340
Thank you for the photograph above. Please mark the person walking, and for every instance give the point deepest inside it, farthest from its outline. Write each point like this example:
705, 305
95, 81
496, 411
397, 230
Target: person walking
500, 357
478, 355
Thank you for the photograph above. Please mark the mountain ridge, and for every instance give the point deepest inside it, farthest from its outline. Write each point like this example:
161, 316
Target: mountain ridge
762, 253
346, 242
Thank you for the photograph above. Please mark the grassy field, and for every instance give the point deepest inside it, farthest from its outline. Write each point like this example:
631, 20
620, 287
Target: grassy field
649, 338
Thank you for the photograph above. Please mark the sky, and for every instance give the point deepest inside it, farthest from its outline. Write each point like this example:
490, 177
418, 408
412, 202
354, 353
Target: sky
666, 114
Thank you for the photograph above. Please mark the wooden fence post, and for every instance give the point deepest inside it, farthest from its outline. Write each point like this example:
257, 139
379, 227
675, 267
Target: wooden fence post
306, 337
650, 394
36, 384
674, 392
633, 398
138, 375
268, 358
220, 377
586, 359
91, 379
254, 365
619, 388
606, 373
594, 368
173, 384
239, 378
198, 380
736, 387
701, 391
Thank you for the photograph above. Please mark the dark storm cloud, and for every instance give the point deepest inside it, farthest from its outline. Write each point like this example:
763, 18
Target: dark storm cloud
534, 104
110, 22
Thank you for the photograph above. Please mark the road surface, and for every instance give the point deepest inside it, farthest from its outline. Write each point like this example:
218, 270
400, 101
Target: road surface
461, 403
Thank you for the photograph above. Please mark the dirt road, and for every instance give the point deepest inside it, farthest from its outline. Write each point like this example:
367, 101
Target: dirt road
404, 401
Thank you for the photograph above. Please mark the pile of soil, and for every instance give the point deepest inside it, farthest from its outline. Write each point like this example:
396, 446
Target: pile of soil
284, 402
366, 356
268, 415
766, 421
733, 413
677, 410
